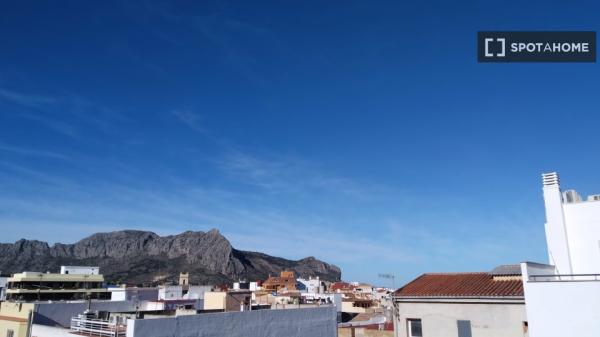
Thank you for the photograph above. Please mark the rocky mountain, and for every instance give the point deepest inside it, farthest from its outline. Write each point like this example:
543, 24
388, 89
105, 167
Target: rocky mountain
139, 257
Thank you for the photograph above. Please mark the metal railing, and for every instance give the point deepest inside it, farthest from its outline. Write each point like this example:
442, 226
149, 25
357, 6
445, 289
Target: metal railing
564, 278
97, 327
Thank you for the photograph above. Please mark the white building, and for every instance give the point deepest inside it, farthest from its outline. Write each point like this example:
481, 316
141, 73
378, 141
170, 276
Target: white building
462, 305
563, 297
80, 270
170, 292
133, 294
3, 282
312, 285
245, 285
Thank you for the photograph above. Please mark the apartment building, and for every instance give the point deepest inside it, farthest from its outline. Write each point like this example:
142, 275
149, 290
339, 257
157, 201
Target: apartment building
562, 296
70, 284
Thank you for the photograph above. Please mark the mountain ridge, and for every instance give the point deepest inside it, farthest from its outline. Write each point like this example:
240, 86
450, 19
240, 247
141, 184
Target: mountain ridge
146, 258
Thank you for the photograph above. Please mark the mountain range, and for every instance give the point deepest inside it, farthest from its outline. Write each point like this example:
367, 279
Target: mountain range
145, 258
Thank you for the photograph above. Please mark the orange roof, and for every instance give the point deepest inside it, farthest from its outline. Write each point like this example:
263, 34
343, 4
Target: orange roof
341, 286
461, 285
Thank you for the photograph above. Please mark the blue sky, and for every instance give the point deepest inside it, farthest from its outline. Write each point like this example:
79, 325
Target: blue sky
360, 132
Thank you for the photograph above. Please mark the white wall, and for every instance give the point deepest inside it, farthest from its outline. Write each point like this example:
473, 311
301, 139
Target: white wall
583, 230
312, 285
3, 281
561, 308
38, 330
170, 293
556, 230
572, 231
133, 294
80, 270
487, 320
197, 292
118, 294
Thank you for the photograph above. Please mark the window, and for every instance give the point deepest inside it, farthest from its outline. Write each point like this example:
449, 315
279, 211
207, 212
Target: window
414, 328
10, 333
464, 328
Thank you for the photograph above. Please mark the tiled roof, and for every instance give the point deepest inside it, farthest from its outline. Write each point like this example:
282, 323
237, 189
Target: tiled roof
461, 285
507, 269
341, 286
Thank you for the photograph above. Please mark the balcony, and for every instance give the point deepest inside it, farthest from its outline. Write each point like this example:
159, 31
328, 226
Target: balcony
564, 278
83, 325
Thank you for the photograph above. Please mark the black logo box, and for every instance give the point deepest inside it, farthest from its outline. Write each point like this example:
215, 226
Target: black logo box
494, 46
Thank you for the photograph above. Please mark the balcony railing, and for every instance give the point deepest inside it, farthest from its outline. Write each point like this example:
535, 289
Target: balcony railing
564, 278
82, 325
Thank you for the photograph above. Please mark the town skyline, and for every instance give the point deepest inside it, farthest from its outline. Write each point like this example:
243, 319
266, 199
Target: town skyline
357, 134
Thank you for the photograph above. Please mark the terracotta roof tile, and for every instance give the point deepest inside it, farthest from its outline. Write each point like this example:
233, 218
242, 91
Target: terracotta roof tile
461, 285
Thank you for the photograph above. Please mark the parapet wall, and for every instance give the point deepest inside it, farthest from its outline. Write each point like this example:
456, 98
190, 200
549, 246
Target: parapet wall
313, 322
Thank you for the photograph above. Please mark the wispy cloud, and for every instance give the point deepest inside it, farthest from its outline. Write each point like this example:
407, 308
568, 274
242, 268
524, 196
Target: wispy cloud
23, 151
65, 113
286, 174
189, 118
78, 210
25, 99
51, 122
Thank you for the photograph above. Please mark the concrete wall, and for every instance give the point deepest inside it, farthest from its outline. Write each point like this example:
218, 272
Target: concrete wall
50, 331
197, 292
133, 294
170, 293
561, 308
214, 300
14, 316
317, 322
441, 319
349, 307
238, 301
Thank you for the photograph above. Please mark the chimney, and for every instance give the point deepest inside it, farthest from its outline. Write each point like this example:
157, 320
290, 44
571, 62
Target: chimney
551, 179
556, 227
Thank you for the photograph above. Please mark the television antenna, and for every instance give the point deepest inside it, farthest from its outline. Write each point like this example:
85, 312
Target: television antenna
389, 276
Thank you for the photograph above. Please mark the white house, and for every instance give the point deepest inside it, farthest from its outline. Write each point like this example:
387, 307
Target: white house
3, 282
482, 304
79, 270
563, 297
311, 285
170, 292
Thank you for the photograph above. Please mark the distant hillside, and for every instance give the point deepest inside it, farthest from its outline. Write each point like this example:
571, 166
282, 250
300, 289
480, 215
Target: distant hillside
139, 257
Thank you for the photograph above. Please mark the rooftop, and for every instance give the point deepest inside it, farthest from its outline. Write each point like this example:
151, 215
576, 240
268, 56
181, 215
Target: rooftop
52, 277
466, 285
506, 270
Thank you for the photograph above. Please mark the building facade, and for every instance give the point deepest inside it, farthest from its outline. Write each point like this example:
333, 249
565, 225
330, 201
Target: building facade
462, 305
15, 319
285, 281
34, 286
3, 283
562, 296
